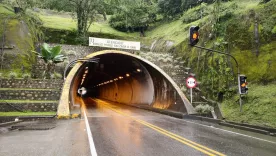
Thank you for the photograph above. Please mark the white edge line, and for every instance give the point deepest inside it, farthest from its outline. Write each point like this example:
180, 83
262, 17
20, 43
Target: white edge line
232, 132
90, 137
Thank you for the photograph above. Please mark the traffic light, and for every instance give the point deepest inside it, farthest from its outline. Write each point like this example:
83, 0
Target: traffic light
194, 35
243, 84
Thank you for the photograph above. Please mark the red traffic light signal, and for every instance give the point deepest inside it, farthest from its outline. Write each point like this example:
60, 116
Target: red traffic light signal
194, 35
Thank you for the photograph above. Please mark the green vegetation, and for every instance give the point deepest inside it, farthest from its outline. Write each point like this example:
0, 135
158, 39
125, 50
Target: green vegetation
68, 23
203, 109
51, 57
258, 108
27, 113
12, 75
6, 10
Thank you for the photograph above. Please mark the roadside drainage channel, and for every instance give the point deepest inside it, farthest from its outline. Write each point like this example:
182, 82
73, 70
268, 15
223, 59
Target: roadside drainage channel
28, 123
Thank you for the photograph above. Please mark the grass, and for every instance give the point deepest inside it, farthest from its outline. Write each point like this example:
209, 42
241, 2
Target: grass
6, 10
259, 107
27, 101
64, 23
26, 113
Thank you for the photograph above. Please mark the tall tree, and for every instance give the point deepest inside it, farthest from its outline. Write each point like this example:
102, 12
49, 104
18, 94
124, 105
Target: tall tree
85, 11
134, 16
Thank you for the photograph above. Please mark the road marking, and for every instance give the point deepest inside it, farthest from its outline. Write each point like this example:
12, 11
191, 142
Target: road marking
89, 134
231, 132
185, 141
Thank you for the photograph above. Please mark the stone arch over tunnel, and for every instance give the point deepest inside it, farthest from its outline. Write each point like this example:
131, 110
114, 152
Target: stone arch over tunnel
124, 78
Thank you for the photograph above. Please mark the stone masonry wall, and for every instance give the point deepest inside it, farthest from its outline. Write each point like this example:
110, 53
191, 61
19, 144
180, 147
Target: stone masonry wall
30, 94
34, 107
38, 84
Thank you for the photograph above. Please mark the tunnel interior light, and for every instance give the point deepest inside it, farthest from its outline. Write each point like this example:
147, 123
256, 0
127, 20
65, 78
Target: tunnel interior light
111, 81
121, 77
139, 70
127, 75
86, 72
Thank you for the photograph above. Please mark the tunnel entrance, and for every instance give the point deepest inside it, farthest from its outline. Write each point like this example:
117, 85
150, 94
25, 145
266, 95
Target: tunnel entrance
124, 78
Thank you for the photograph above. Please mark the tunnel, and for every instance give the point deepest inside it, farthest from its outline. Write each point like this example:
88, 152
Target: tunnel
124, 78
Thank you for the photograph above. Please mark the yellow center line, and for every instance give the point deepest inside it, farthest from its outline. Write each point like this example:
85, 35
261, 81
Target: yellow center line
190, 143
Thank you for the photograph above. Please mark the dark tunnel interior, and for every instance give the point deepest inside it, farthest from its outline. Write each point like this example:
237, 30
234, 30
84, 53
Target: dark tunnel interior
128, 80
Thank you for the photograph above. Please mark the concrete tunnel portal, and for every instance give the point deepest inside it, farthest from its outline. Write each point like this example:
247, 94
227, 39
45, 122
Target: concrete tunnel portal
124, 78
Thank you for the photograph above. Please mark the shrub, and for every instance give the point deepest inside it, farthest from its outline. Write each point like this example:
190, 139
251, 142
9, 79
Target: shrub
56, 76
26, 76
203, 109
1, 75
12, 75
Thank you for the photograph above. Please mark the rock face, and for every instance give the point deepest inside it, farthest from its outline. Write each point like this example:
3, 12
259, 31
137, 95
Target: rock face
18, 43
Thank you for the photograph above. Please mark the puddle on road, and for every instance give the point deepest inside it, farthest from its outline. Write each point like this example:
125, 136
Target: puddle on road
30, 125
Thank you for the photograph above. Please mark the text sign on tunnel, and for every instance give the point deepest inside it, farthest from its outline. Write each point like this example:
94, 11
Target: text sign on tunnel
118, 44
191, 82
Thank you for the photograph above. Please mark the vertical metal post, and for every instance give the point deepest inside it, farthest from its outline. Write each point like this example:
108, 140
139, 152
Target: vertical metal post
240, 103
191, 91
240, 100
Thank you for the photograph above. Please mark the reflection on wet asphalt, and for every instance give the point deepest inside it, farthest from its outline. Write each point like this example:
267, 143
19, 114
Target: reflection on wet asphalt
123, 130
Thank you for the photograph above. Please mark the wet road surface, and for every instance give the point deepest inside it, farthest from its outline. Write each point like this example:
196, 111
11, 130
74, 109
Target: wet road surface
122, 130
127, 131
68, 138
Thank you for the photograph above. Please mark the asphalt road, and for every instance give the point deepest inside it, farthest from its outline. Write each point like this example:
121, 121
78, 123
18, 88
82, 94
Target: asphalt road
118, 130
127, 131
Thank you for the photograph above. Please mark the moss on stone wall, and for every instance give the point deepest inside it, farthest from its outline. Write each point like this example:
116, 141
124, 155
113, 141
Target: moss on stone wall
19, 57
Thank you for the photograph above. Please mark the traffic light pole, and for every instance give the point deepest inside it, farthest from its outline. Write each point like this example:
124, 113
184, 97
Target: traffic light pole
237, 64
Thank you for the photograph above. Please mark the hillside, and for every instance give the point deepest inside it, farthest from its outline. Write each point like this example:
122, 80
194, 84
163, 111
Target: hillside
64, 21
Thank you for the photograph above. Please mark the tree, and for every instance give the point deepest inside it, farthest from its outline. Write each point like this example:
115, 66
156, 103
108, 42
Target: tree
170, 8
134, 16
51, 56
85, 11
24, 4
173, 8
60, 5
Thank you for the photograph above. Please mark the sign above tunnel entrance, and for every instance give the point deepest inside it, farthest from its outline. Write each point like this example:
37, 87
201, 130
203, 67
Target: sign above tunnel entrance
110, 43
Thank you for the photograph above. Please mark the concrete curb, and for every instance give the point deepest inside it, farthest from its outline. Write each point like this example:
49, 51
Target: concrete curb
24, 118
161, 111
247, 127
261, 131
9, 123
272, 130
28, 118
201, 118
